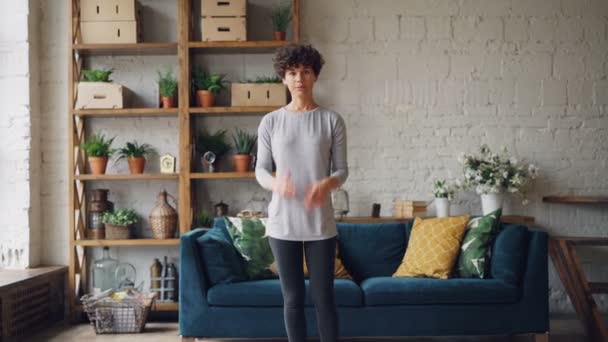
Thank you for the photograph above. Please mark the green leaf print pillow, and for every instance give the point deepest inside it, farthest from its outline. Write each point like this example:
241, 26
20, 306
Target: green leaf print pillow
475, 248
250, 240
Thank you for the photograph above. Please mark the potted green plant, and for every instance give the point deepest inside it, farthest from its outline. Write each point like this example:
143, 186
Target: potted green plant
207, 85
243, 144
98, 149
205, 219
96, 75
281, 17
136, 155
167, 86
444, 192
216, 142
119, 223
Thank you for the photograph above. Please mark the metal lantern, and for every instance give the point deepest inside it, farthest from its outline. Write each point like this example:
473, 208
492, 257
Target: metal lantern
98, 204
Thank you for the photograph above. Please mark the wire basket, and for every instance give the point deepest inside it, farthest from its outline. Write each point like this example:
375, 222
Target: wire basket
116, 316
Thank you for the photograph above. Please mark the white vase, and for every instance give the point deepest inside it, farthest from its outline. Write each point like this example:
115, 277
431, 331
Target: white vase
491, 202
443, 207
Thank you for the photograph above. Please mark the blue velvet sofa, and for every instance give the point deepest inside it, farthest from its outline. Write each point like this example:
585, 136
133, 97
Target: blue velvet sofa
514, 300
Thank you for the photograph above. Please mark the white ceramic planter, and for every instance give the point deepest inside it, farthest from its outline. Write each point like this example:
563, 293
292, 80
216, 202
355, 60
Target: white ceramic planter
443, 207
491, 202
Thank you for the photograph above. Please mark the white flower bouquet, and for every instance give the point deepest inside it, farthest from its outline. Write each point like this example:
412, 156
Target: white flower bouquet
496, 173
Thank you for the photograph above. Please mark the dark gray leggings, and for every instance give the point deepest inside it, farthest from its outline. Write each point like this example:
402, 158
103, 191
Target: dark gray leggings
320, 256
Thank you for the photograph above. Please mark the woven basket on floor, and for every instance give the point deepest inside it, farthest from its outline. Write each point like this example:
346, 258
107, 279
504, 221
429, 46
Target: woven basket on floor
115, 232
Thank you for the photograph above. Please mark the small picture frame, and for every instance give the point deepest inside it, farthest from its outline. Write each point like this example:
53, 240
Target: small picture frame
167, 163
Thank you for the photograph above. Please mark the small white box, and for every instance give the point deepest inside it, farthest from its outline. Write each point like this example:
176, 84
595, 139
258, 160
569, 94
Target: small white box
110, 32
223, 29
102, 95
109, 10
223, 8
259, 94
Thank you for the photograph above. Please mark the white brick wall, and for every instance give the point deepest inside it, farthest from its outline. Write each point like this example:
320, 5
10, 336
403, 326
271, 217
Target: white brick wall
19, 148
417, 81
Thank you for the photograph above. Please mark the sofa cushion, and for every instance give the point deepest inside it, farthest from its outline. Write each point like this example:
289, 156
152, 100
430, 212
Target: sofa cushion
407, 290
221, 261
250, 240
473, 260
267, 292
371, 249
433, 247
509, 253
339, 269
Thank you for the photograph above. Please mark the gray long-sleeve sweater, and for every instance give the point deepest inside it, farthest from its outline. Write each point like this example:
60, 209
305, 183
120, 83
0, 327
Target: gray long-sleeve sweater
311, 146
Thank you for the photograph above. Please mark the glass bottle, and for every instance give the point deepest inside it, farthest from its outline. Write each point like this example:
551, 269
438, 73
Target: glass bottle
103, 272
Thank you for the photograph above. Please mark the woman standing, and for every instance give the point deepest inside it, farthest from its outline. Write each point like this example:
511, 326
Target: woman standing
308, 145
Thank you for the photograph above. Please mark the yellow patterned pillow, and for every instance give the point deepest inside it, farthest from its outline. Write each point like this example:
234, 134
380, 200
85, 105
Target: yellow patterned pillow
339, 269
433, 247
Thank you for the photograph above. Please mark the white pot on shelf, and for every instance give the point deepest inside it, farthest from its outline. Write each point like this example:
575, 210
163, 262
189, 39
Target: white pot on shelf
491, 202
442, 205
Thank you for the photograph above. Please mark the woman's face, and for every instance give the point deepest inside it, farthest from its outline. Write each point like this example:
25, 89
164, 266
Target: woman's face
300, 80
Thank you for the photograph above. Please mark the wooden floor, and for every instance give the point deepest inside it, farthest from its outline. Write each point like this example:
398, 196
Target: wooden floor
564, 329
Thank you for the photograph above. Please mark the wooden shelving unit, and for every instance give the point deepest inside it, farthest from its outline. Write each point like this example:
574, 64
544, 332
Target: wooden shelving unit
125, 49
127, 112
126, 176
572, 199
231, 110
183, 48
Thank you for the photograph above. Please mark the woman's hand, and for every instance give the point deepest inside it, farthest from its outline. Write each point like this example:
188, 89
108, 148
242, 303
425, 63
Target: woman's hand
284, 186
316, 194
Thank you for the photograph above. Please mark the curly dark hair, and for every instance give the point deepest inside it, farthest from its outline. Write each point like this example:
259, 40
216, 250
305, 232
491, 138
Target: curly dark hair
294, 55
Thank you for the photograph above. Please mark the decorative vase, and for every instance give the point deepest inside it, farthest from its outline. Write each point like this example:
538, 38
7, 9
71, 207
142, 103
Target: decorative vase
163, 218
491, 202
442, 205
136, 164
242, 162
98, 165
279, 35
205, 98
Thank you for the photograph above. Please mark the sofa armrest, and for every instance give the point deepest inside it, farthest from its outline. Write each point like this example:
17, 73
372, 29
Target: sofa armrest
536, 277
192, 279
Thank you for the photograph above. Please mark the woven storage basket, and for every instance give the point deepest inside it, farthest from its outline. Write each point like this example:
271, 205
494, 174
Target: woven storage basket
115, 232
163, 218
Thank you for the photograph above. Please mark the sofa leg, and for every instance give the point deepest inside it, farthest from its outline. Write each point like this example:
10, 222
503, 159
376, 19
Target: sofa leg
541, 337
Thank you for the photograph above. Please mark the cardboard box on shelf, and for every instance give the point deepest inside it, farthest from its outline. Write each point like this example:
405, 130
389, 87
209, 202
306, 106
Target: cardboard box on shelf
110, 32
224, 29
259, 94
109, 10
223, 8
100, 95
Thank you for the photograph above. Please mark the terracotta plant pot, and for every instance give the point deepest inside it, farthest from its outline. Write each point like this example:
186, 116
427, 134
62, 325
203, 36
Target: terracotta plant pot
279, 35
242, 162
136, 164
98, 165
168, 102
205, 98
